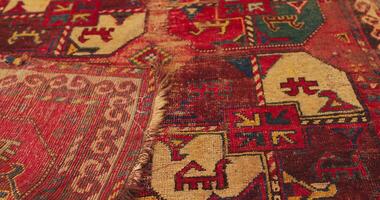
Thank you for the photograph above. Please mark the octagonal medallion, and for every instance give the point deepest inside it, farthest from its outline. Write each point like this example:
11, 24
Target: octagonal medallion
244, 24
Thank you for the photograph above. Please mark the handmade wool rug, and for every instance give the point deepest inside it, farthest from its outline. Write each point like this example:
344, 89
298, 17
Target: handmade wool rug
71, 132
268, 99
280, 100
78, 108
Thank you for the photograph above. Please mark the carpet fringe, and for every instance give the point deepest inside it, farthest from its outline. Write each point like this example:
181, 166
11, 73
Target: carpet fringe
149, 134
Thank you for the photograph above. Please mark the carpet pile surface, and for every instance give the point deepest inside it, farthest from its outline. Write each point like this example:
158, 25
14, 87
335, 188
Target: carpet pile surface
190, 99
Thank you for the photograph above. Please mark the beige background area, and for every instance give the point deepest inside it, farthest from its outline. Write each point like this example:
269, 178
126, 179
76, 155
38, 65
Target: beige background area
206, 150
29, 5
301, 64
132, 27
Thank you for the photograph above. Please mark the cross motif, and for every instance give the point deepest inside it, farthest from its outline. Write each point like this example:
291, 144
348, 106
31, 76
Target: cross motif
301, 83
264, 129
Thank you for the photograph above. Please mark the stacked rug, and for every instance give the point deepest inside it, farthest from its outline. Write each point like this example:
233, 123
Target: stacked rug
190, 99
78, 108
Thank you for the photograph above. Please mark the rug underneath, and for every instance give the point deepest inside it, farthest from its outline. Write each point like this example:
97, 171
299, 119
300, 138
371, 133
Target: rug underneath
73, 132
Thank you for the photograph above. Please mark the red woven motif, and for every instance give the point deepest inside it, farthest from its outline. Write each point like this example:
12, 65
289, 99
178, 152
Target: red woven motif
264, 129
69, 134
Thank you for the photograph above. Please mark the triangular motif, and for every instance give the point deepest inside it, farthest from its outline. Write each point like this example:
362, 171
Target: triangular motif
72, 49
343, 37
243, 64
192, 11
120, 17
297, 5
267, 61
373, 85
176, 143
360, 79
18, 9
334, 103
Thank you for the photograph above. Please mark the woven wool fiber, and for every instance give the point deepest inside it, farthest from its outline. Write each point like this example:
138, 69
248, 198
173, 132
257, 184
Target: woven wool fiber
190, 99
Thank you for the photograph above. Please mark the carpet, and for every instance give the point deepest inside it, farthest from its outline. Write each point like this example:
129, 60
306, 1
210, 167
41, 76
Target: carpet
78, 108
71, 133
278, 101
189, 99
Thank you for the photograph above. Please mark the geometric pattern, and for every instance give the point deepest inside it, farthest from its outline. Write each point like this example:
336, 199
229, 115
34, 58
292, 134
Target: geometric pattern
258, 114
69, 133
245, 24
57, 28
268, 99
150, 56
